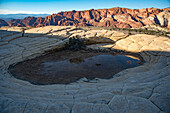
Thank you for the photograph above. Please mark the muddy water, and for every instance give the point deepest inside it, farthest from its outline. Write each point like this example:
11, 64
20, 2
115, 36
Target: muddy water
69, 66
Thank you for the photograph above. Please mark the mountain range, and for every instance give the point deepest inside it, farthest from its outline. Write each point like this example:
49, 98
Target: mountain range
113, 17
8, 17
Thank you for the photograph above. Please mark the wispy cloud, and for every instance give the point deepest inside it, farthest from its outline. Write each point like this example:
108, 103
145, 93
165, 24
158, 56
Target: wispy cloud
4, 11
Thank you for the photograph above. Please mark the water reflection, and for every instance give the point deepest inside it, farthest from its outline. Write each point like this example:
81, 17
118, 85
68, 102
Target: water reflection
76, 60
100, 66
69, 66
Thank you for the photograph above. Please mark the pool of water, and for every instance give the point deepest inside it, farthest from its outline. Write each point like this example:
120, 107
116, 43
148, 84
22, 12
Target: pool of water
69, 66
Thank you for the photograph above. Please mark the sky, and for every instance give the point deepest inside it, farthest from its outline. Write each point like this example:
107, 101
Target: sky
55, 6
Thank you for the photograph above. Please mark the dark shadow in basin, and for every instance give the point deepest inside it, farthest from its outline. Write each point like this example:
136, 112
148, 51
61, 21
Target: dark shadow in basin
64, 67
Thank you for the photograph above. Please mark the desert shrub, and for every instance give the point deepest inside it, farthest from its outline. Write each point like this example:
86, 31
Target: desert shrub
129, 33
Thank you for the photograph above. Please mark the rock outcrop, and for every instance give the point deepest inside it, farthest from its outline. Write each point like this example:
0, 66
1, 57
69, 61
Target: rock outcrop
114, 17
3, 23
143, 89
164, 18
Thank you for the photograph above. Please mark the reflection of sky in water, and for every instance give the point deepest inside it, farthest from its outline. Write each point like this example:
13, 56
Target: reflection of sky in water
93, 66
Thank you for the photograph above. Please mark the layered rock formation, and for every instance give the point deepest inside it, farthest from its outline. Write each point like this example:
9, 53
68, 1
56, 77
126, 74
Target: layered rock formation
114, 17
143, 89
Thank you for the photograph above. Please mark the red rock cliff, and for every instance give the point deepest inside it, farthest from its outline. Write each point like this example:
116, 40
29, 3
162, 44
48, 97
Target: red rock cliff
114, 17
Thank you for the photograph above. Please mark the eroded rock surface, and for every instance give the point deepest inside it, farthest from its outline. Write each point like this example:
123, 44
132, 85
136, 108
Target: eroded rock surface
140, 89
113, 17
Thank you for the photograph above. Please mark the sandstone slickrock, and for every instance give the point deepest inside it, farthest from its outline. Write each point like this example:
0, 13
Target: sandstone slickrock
143, 89
113, 17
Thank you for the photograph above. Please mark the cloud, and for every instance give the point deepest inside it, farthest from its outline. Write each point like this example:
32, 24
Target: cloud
4, 11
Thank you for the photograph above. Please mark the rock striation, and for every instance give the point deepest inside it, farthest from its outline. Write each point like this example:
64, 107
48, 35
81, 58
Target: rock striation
113, 17
143, 89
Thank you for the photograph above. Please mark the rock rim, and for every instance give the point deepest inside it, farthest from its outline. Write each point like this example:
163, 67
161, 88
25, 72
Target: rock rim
141, 89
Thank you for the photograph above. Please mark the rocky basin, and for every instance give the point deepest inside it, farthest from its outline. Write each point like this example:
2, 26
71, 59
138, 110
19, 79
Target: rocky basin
142, 89
67, 66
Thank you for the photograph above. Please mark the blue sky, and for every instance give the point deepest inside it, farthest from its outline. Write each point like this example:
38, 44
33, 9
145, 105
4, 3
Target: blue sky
55, 6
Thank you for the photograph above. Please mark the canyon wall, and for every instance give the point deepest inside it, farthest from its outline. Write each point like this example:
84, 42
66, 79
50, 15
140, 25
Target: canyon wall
113, 17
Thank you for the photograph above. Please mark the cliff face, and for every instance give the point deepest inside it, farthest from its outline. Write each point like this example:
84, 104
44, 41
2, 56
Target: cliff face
114, 17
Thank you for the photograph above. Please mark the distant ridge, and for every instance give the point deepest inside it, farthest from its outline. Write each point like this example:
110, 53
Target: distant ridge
8, 17
113, 17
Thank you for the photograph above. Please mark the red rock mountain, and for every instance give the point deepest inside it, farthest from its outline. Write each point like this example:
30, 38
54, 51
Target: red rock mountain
114, 17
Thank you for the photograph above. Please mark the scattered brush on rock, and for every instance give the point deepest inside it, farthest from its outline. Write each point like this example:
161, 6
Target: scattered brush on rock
75, 43
145, 31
